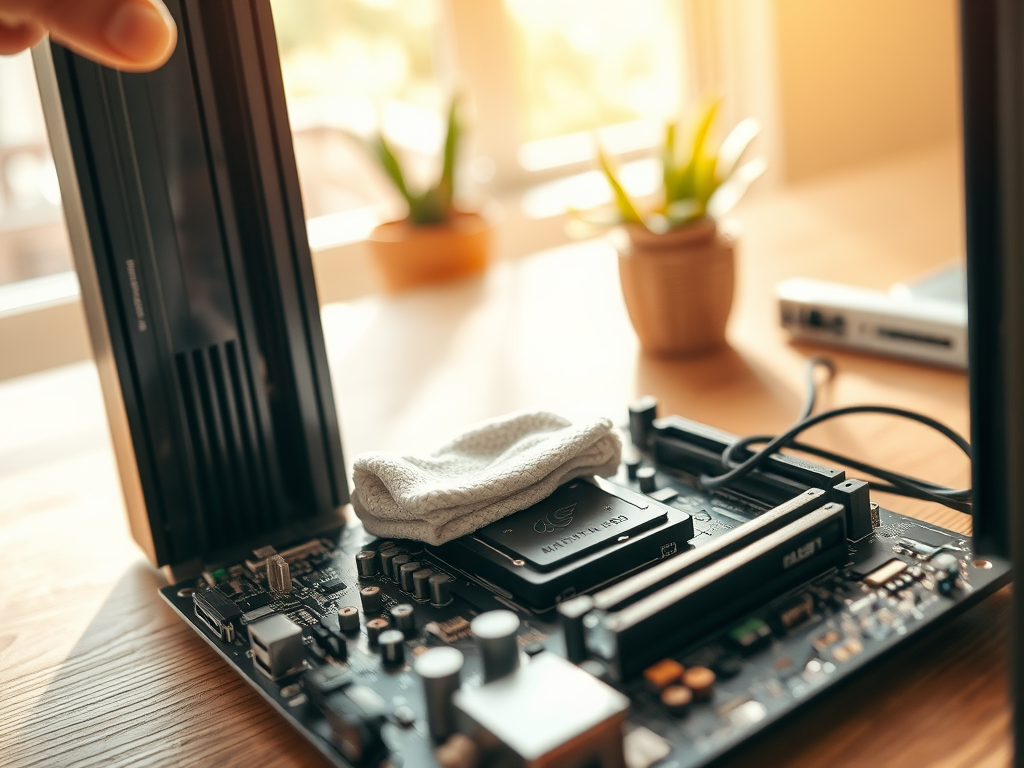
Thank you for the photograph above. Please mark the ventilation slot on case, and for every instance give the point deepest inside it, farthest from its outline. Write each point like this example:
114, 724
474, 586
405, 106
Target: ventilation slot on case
230, 455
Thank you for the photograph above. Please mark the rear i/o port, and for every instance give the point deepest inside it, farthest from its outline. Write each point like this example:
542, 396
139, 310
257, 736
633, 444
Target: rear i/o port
216, 612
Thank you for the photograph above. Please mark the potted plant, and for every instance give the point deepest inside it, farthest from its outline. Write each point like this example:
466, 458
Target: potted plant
435, 241
676, 264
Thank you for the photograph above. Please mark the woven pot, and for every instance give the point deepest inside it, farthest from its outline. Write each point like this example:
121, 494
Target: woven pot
407, 256
678, 287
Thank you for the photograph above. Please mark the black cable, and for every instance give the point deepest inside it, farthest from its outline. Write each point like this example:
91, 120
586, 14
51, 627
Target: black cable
894, 482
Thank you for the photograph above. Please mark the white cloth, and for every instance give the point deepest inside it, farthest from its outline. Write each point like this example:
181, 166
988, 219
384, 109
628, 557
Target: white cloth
499, 467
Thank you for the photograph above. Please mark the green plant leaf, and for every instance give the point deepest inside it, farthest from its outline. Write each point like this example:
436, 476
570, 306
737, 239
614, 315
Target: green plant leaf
734, 147
728, 194
453, 135
391, 167
687, 184
626, 208
669, 171
432, 207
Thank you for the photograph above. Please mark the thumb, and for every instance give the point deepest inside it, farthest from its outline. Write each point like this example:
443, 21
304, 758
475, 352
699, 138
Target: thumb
130, 35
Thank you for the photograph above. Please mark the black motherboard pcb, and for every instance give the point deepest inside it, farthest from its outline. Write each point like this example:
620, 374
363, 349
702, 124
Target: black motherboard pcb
677, 623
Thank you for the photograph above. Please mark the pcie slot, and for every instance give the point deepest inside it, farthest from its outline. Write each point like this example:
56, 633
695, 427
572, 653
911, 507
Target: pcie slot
632, 638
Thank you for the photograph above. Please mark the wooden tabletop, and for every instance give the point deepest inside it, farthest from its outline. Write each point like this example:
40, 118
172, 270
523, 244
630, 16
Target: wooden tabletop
96, 671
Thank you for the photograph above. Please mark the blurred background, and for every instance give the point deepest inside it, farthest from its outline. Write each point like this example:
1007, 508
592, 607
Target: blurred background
834, 85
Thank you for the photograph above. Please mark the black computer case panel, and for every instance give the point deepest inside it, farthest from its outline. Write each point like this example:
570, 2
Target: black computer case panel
189, 236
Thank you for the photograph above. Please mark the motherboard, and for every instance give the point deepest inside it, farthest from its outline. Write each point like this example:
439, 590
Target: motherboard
636, 621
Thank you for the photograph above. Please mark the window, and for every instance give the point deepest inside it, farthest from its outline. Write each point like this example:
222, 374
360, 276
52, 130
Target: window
33, 242
585, 64
538, 75
352, 67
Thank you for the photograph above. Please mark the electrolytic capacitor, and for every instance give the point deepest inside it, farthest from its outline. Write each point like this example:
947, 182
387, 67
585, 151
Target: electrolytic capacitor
405, 574
421, 583
392, 647
439, 668
403, 618
571, 614
367, 564
701, 681
371, 599
374, 628
496, 634
396, 567
648, 483
633, 464
386, 557
642, 414
676, 699
440, 590
348, 618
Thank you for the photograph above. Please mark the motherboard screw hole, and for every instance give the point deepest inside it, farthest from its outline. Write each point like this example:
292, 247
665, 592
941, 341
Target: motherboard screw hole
982, 565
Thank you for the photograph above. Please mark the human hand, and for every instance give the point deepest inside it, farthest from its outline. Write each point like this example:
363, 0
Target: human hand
130, 35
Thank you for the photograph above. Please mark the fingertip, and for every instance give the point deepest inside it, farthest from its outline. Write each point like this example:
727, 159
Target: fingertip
142, 33
19, 37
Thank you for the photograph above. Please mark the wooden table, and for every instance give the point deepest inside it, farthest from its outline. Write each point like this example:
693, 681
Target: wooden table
96, 671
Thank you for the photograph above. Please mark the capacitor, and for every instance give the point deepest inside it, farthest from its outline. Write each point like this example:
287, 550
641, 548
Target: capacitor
648, 483
392, 647
367, 564
677, 699
642, 413
421, 583
439, 669
496, 636
386, 556
405, 574
396, 567
571, 614
632, 463
440, 590
348, 618
701, 681
403, 618
371, 599
374, 628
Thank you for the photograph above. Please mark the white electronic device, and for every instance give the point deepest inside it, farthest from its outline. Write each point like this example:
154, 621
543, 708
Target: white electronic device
924, 321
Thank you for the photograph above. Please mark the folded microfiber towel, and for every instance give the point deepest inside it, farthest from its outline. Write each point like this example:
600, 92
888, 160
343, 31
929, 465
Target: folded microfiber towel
500, 467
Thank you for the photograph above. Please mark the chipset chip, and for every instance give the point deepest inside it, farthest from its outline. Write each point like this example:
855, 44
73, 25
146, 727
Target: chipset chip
585, 534
575, 520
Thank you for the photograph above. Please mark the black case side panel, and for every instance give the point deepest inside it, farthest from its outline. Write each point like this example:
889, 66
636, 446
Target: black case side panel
188, 181
985, 264
992, 45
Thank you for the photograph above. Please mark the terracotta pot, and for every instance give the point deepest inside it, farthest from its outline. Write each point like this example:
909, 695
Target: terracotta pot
408, 256
678, 287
